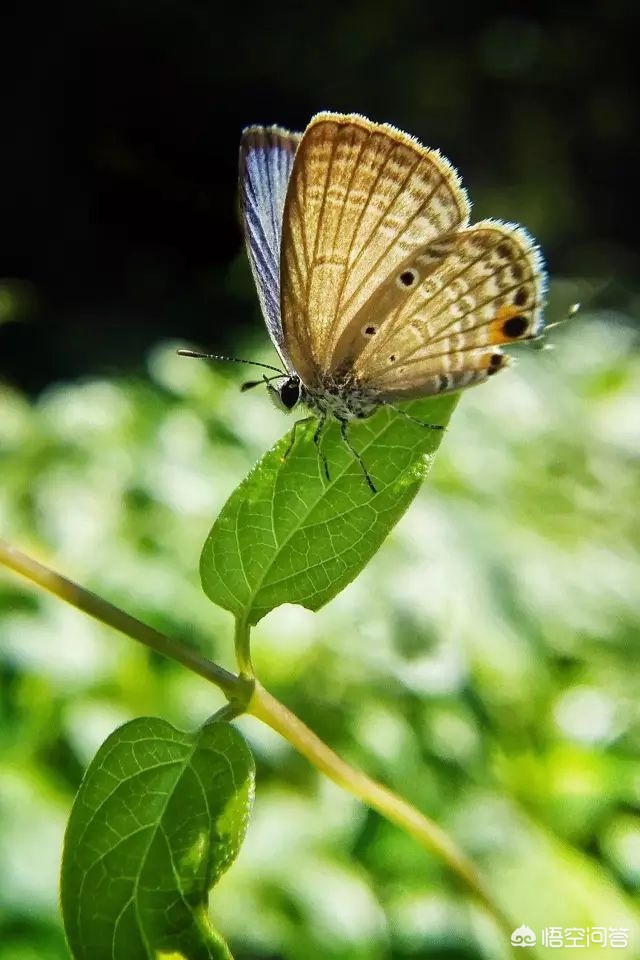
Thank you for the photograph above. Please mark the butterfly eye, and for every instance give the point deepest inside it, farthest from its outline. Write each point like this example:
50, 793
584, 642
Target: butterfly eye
287, 394
407, 279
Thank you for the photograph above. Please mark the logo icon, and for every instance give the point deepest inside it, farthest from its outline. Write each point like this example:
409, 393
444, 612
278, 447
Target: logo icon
523, 937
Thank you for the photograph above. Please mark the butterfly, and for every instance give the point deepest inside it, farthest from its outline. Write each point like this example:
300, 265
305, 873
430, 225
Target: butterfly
374, 287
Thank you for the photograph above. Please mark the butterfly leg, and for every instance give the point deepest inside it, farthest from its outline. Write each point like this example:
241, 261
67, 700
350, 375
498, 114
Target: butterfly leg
293, 435
421, 423
345, 438
321, 453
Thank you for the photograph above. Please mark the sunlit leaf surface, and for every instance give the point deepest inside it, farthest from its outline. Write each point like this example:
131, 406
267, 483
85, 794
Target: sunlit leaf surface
289, 535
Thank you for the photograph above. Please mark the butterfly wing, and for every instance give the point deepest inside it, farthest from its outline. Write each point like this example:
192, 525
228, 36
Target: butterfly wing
266, 160
437, 322
362, 198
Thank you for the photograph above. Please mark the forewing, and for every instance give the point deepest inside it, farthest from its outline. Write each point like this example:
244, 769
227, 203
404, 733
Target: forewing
266, 160
362, 198
438, 322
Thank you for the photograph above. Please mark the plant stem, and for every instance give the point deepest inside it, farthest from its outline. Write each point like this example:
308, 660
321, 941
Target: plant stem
243, 649
429, 835
236, 689
247, 695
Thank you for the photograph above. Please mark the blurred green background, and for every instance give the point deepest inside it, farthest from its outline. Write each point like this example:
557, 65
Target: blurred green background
486, 662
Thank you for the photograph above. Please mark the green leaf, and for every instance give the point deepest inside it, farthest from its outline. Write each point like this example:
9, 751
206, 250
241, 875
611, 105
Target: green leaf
287, 535
158, 818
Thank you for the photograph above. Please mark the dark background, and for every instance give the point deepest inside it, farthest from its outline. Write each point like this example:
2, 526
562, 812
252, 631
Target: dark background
122, 120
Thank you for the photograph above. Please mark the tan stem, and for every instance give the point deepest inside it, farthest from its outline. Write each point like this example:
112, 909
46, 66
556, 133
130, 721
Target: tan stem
429, 835
251, 696
234, 688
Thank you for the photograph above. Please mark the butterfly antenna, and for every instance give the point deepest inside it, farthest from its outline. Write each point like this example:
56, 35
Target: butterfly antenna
214, 356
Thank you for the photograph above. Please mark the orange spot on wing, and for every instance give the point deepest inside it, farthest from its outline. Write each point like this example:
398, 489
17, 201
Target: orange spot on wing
491, 361
508, 324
